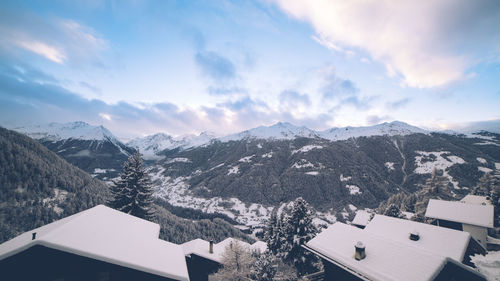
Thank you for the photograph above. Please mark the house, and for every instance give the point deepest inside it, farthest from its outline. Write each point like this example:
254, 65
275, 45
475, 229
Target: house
361, 219
469, 217
351, 253
204, 258
476, 199
97, 244
455, 244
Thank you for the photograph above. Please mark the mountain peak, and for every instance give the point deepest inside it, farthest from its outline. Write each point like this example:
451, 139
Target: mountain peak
72, 130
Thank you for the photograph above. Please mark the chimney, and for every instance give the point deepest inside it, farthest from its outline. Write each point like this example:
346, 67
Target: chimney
360, 251
33, 236
211, 247
414, 235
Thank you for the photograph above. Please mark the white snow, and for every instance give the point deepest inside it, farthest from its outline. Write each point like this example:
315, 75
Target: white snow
267, 155
104, 234
473, 214
344, 179
233, 170
440, 240
497, 166
151, 145
385, 259
178, 160
353, 189
475, 199
280, 130
352, 207
481, 160
489, 265
389, 166
302, 163
362, 218
306, 148
390, 129
312, 173
201, 247
218, 166
487, 143
259, 145
99, 171
246, 159
443, 160
484, 169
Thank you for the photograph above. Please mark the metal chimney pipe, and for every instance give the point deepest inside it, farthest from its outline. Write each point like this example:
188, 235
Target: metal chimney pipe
359, 253
211, 247
414, 235
33, 236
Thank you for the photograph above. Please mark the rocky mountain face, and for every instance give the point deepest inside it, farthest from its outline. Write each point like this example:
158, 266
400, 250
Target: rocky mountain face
92, 148
249, 175
246, 175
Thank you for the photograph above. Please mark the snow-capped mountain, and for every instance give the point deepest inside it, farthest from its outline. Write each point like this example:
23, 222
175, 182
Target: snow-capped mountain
92, 148
395, 128
151, 146
280, 130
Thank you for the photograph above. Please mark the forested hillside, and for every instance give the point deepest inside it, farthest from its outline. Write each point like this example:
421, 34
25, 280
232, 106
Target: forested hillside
38, 187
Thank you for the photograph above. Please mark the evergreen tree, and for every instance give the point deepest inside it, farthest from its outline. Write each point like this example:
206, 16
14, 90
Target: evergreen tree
393, 211
268, 267
132, 193
299, 229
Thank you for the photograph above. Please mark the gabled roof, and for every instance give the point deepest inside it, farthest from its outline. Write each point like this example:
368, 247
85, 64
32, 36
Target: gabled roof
385, 259
200, 248
473, 214
362, 218
440, 240
102, 233
476, 199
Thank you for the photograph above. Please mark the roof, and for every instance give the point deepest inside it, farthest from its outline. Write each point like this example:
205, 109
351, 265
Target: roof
102, 233
362, 218
385, 259
473, 214
200, 248
476, 199
441, 240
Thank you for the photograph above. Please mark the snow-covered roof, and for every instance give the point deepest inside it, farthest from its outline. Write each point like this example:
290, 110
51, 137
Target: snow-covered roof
362, 218
201, 247
102, 233
385, 259
473, 214
443, 241
475, 199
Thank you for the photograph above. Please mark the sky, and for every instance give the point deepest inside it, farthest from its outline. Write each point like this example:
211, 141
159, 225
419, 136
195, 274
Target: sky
183, 67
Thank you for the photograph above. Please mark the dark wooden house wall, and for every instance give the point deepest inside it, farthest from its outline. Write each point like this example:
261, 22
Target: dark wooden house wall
45, 264
454, 272
200, 268
334, 272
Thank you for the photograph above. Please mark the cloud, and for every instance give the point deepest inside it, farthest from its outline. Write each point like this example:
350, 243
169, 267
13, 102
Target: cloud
56, 39
424, 43
215, 66
335, 87
398, 104
375, 119
223, 90
292, 99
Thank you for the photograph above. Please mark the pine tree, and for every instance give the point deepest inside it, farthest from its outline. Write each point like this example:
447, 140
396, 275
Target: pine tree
393, 211
132, 193
298, 230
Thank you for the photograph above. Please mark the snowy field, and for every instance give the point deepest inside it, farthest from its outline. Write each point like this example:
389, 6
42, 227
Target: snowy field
426, 162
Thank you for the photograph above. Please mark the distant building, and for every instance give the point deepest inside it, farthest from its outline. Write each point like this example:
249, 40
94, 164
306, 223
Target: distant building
470, 217
204, 258
350, 253
97, 244
362, 219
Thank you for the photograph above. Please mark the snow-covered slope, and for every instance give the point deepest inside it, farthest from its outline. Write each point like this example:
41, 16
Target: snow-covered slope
287, 131
151, 145
61, 131
391, 129
280, 130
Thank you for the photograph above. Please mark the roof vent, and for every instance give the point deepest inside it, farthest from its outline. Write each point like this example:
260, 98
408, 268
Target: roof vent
360, 251
33, 236
211, 247
414, 235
